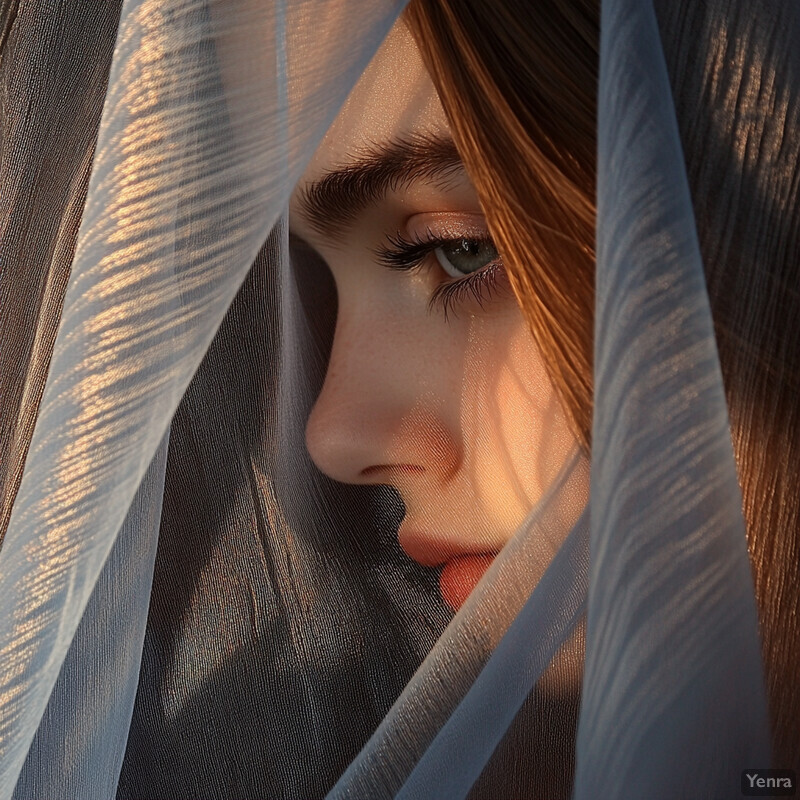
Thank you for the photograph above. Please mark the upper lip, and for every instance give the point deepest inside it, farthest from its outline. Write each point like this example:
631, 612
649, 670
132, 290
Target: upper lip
430, 551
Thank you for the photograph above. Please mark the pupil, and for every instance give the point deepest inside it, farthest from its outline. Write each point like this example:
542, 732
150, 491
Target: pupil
473, 248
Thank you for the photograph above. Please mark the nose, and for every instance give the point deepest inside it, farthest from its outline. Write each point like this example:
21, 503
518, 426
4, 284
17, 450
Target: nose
382, 415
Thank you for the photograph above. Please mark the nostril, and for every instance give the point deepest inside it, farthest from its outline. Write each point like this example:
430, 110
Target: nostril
345, 443
385, 472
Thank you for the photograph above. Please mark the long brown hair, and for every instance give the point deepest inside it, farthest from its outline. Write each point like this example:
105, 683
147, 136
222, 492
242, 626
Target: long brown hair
518, 81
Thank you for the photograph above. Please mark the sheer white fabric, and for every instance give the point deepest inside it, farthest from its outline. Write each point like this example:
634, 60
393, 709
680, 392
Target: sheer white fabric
211, 113
80, 743
671, 614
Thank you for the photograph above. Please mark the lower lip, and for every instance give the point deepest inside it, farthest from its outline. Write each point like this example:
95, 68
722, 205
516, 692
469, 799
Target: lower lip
460, 576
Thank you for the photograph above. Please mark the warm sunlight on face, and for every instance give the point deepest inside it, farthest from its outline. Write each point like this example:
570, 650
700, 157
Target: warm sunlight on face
434, 384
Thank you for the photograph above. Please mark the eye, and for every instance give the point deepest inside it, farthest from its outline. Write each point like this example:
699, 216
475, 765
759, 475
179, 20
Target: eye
473, 266
462, 257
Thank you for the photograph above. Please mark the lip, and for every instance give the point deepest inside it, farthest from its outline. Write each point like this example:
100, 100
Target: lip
462, 568
425, 548
460, 575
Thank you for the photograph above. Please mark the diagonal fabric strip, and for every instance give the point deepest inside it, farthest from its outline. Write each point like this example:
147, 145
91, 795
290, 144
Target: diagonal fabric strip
673, 700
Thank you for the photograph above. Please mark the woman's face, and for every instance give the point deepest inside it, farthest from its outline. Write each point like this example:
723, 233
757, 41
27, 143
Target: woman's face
434, 385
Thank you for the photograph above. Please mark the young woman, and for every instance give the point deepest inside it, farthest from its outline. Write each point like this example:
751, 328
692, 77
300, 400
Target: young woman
455, 229
434, 383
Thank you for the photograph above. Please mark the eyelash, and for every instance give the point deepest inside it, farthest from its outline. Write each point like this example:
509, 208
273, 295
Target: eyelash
409, 255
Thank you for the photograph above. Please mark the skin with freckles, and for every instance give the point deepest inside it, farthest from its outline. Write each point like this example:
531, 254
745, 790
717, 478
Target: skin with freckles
434, 385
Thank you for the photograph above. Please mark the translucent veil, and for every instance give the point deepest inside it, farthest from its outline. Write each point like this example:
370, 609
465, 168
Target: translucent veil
188, 607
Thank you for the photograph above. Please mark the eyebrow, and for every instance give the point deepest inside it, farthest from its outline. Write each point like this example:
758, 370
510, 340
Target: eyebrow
336, 199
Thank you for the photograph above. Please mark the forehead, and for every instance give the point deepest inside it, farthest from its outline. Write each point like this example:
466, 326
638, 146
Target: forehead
394, 97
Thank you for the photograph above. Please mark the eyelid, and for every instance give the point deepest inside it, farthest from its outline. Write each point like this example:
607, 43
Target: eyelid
447, 225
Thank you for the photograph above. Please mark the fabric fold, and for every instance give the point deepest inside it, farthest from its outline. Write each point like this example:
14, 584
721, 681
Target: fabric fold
673, 702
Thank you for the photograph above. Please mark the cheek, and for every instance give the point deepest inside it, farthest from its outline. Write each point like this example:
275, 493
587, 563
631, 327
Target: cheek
535, 432
519, 434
